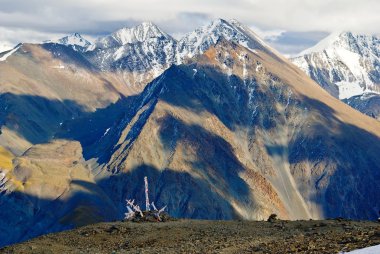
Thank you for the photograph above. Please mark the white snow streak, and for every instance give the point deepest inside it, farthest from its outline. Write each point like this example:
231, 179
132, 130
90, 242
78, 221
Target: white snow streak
4, 57
105, 133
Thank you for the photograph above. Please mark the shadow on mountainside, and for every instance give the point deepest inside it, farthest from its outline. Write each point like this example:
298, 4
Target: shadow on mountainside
25, 216
342, 155
97, 130
35, 118
68, 55
186, 195
347, 165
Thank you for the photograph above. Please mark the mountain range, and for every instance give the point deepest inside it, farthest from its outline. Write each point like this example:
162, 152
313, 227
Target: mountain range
223, 125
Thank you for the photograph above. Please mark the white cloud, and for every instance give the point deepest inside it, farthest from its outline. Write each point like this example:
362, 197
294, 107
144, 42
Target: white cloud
270, 17
295, 15
4, 46
268, 35
11, 37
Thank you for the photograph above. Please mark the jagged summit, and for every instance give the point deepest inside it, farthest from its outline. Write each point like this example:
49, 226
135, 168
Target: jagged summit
202, 38
74, 39
139, 33
325, 43
193, 43
344, 39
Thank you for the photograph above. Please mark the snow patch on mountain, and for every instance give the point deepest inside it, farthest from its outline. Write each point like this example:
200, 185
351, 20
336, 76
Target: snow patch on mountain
348, 90
141, 33
6, 55
144, 52
353, 62
203, 38
75, 40
325, 43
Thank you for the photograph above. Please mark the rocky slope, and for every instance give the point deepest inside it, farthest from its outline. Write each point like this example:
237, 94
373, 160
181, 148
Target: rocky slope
275, 150
137, 54
50, 189
234, 132
346, 65
42, 86
191, 236
368, 103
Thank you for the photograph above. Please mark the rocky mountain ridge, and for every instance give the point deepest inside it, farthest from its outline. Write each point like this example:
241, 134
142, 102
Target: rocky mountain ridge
233, 132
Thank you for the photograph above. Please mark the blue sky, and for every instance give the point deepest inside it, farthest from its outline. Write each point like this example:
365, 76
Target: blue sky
288, 25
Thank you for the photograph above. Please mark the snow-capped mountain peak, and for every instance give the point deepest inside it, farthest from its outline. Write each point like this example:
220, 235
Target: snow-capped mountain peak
140, 33
322, 45
345, 64
146, 47
346, 40
74, 39
142, 52
202, 38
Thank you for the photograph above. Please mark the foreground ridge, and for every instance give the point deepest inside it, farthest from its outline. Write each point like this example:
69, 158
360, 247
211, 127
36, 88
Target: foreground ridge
185, 236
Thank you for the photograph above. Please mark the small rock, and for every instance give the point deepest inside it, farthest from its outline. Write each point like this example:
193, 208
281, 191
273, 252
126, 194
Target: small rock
272, 218
112, 229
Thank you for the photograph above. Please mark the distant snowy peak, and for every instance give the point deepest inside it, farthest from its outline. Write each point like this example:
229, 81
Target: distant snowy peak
74, 39
203, 38
345, 64
346, 40
322, 45
141, 33
146, 51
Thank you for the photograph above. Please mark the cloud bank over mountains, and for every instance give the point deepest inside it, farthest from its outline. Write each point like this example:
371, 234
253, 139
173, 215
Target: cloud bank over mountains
290, 25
